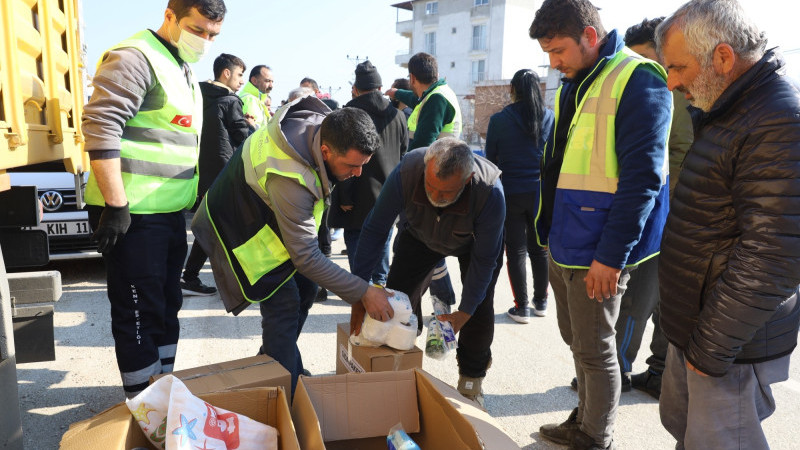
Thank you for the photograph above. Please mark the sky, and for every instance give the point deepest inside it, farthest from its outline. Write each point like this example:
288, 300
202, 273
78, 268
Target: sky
325, 39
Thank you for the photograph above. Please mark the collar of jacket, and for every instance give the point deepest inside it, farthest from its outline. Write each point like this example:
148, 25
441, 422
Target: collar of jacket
460, 207
372, 102
432, 87
250, 88
761, 71
222, 85
613, 43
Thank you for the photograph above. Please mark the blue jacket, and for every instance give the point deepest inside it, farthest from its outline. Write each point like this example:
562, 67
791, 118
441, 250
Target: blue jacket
630, 229
515, 152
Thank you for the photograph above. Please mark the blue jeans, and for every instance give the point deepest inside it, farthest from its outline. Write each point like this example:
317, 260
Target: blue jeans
351, 243
282, 319
719, 412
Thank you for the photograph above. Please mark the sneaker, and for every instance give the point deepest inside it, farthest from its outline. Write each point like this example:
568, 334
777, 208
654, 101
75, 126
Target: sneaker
196, 287
520, 315
322, 295
648, 382
539, 307
626, 383
337, 234
561, 433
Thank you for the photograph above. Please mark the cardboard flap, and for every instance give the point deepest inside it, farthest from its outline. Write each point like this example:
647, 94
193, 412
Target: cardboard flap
255, 371
488, 430
355, 406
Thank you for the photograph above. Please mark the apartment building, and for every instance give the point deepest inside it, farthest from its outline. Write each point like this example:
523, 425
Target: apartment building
475, 42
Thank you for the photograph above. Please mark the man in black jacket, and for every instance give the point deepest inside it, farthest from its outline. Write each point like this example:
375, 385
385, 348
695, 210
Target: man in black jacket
354, 198
224, 129
729, 268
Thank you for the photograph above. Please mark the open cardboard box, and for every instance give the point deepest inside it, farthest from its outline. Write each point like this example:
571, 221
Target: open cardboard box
356, 411
255, 371
116, 429
354, 359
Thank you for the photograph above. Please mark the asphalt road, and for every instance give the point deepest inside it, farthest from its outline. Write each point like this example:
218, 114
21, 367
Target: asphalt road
527, 385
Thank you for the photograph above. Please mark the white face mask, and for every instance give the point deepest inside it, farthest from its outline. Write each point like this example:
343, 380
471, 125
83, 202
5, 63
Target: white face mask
191, 48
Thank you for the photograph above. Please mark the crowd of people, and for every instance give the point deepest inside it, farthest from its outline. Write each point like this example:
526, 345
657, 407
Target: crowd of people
630, 201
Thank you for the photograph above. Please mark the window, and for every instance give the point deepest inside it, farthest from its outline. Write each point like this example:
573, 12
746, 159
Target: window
430, 43
481, 2
478, 71
479, 37
431, 8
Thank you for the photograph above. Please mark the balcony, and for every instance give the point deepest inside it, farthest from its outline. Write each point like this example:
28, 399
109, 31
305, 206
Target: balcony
402, 57
480, 11
405, 28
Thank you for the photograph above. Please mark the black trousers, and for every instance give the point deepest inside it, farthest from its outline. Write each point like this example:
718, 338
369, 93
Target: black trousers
412, 263
520, 242
143, 272
194, 263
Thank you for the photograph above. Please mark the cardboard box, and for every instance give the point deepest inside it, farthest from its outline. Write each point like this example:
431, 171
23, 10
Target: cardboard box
355, 412
116, 429
255, 371
354, 359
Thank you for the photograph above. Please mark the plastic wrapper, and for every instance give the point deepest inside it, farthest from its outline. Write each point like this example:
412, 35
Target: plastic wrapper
441, 338
400, 332
398, 439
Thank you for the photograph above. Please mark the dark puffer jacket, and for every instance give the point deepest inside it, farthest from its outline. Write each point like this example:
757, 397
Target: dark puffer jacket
730, 256
224, 129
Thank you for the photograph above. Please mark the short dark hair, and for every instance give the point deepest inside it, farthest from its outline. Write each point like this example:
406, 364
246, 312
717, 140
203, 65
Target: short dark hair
401, 83
310, 81
226, 61
256, 71
643, 33
349, 128
210, 9
424, 68
565, 18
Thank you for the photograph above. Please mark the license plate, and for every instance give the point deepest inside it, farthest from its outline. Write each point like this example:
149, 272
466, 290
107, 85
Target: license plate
72, 228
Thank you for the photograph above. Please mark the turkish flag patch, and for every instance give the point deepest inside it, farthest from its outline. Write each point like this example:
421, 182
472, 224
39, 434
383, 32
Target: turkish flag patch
182, 121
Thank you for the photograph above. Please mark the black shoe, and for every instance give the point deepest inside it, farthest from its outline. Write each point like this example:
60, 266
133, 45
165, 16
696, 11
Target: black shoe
322, 295
196, 287
582, 441
520, 315
344, 251
305, 373
626, 383
648, 382
561, 433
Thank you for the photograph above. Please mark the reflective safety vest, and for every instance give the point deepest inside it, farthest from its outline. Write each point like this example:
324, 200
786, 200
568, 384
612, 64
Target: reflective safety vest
237, 207
590, 171
449, 129
159, 148
253, 104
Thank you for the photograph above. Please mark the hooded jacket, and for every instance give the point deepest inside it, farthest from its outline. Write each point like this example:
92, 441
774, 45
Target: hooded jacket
730, 257
362, 191
224, 129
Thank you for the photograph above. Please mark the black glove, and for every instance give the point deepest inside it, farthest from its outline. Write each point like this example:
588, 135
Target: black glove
114, 223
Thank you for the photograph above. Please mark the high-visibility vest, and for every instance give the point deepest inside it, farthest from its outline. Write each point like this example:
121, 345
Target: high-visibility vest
453, 128
260, 261
159, 148
253, 104
590, 169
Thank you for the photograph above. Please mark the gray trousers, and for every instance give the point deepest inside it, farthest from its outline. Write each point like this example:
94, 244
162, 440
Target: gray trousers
587, 326
721, 413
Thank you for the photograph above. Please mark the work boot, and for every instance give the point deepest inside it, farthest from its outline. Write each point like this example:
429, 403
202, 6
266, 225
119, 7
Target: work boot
582, 441
471, 389
648, 382
561, 433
